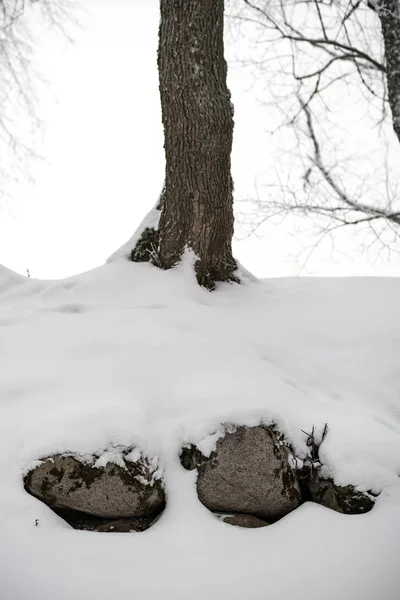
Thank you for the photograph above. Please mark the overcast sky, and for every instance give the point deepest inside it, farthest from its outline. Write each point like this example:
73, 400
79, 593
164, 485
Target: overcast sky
103, 167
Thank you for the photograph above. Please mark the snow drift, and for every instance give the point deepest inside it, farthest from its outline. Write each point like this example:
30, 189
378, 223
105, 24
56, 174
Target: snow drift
128, 354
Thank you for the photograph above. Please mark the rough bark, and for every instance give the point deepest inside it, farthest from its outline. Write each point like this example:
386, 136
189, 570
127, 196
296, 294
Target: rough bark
197, 202
389, 16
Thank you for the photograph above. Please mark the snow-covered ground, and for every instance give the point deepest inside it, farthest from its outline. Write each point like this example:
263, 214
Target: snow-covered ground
128, 354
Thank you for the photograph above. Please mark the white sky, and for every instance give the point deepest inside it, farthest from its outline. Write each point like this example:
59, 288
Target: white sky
104, 163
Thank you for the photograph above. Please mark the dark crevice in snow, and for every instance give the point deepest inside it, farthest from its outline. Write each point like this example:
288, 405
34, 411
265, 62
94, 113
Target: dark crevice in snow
86, 522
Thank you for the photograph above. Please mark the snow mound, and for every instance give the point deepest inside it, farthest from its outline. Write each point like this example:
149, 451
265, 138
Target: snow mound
127, 354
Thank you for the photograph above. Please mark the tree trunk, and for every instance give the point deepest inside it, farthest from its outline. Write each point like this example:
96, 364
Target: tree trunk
197, 202
389, 16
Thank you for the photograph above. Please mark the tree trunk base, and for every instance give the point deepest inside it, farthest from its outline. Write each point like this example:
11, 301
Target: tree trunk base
207, 275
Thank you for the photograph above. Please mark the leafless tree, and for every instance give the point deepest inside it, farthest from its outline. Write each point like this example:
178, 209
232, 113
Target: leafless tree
313, 57
20, 80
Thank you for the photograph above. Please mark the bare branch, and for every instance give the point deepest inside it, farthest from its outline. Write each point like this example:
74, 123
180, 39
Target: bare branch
20, 81
312, 54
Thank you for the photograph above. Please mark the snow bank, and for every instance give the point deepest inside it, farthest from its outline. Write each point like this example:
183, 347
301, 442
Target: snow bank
127, 354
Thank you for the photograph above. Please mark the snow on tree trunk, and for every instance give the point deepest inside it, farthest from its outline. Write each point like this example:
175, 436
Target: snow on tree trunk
197, 203
389, 15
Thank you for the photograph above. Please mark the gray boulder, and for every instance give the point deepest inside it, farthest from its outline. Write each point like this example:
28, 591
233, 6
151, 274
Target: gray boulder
111, 492
250, 473
249, 521
343, 499
191, 457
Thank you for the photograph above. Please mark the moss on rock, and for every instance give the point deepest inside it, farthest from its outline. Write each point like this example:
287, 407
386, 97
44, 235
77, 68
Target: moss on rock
343, 499
111, 492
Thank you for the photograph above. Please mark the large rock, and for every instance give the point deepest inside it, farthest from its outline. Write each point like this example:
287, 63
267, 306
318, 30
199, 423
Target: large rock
111, 491
191, 457
343, 499
248, 521
250, 473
